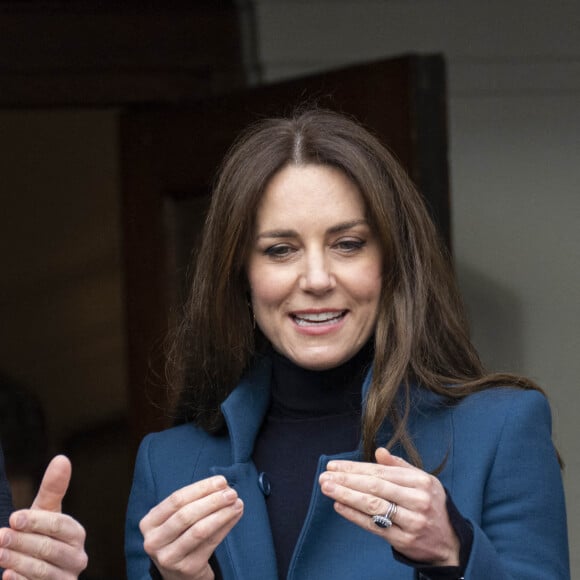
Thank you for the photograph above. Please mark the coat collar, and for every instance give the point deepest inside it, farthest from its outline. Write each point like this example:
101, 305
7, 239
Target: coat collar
245, 408
247, 405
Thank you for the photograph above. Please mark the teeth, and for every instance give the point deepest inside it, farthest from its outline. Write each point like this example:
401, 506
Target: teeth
316, 318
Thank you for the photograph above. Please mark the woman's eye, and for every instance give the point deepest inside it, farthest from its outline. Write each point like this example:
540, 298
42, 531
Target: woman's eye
278, 251
350, 245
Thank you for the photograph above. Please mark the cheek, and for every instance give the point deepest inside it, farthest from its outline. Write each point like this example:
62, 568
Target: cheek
266, 290
368, 285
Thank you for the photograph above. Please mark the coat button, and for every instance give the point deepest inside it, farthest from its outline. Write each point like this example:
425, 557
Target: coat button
264, 484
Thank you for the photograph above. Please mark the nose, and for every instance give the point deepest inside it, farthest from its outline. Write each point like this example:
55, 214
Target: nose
316, 276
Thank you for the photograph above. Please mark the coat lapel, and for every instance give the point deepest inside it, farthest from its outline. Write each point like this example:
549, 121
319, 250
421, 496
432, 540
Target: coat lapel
247, 553
332, 547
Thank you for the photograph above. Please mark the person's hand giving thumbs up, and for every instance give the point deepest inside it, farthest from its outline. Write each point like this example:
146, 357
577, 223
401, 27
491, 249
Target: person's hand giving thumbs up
42, 542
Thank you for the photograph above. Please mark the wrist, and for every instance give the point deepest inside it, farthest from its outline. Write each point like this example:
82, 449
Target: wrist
452, 558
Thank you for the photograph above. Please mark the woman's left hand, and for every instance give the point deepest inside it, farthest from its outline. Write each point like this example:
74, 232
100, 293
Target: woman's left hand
421, 529
42, 542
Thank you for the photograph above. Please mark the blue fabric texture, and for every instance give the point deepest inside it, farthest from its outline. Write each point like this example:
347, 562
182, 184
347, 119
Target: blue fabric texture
501, 470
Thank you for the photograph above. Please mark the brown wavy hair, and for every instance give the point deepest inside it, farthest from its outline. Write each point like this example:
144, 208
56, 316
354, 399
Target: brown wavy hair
422, 333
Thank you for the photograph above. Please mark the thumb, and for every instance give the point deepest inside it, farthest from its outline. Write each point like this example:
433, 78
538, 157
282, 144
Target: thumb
54, 485
385, 457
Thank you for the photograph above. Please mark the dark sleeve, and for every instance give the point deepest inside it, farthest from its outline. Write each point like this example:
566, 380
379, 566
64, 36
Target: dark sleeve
5, 494
5, 498
156, 575
464, 532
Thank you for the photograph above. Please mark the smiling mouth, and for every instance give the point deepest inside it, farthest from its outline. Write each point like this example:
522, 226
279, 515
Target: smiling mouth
318, 318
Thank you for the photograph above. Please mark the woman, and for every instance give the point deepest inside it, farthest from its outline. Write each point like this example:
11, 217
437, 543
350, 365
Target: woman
336, 420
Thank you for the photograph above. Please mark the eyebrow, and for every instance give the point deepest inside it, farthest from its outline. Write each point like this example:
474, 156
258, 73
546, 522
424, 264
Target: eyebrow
341, 227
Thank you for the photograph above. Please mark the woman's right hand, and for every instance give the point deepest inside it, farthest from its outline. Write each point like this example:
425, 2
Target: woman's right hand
182, 532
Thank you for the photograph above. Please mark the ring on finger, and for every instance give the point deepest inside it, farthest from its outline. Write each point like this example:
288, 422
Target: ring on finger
386, 521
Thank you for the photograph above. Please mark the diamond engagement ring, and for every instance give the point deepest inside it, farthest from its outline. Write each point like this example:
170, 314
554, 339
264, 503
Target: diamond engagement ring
386, 521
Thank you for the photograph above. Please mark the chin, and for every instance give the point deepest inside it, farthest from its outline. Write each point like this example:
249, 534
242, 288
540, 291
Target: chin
320, 361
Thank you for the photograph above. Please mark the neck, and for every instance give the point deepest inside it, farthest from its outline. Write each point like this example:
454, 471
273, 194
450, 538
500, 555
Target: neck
300, 392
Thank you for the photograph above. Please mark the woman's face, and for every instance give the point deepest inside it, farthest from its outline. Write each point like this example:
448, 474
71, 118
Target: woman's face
314, 267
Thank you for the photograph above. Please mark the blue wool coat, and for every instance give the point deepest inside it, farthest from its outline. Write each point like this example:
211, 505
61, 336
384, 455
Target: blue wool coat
501, 471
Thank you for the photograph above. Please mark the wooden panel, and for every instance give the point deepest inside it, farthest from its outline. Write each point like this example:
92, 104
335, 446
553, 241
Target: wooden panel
95, 54
145, 276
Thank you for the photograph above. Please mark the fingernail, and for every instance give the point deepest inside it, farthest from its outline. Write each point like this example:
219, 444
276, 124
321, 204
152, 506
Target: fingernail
239, 505
230, 494
331, 465
220, 481
5, 540
19, 521
328, 486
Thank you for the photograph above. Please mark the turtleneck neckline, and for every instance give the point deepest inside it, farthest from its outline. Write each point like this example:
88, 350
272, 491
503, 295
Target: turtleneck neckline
301, 393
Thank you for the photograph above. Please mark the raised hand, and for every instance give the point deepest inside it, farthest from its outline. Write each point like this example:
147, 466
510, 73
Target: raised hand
419, 527
182, 532
42, 542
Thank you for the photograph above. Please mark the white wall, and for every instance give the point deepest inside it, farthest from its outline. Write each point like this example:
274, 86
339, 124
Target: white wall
514, 110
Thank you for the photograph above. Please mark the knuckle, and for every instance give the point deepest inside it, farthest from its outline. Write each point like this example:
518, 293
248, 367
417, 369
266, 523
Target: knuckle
218, 502
176, 499
168, 558
374, 486
144, 525
40, 570
425, 481
423, 501
45, 548
374, 505
149, 545
83, 561
182, 517
163, 559
55, 524
199, 532
382, 473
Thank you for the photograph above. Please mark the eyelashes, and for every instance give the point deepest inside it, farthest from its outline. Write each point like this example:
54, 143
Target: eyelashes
278, 251
350, 245
345, 247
